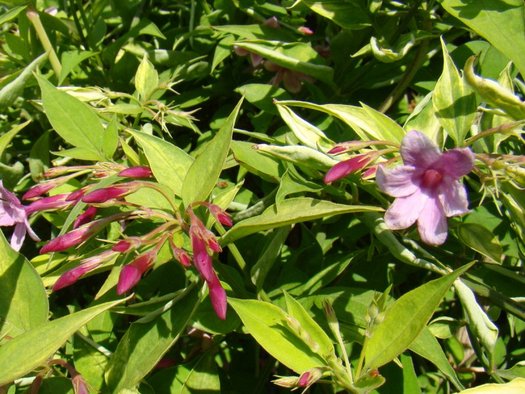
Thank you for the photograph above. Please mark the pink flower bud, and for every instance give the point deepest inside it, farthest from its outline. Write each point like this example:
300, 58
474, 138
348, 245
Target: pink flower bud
67, 240
272, 22
106, 193
180, 254
303, 379
48, 203
218, 298
85, 217
76, 195
136, 172
38, 190
220, 215
305, 30
132, 272
337, 149
346, 167
79, 385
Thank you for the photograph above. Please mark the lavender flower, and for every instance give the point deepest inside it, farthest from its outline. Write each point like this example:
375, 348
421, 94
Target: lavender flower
13, 213
426, 187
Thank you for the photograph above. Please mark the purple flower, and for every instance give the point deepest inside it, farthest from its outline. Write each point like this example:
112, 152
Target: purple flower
426, 187
13, 213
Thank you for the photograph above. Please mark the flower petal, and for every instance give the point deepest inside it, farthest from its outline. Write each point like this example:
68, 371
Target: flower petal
19, 234
453, 198
455, 162
405, 211
418, 150
396, 182
432, 223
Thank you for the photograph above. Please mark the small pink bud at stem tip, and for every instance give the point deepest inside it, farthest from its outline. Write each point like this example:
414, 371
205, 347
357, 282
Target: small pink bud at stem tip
136, 172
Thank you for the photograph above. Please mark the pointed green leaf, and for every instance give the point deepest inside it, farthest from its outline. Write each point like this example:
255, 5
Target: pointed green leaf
515, 386
264, 321
347, 14
204, 173
144, 344
5, 139
325, 347
405, 319
500, 22
454, 102
168, 162
23, 299
146, 79
33, 348
293, 210
73, 120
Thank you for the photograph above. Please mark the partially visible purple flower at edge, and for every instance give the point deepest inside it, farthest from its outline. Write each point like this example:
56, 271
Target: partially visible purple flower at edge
426, 187
13, 213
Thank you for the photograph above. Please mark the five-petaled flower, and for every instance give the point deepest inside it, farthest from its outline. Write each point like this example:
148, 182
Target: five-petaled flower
426, 187
13, 213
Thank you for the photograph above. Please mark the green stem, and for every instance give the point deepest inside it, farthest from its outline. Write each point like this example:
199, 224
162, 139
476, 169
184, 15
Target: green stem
494, 130
33, 16
233, 249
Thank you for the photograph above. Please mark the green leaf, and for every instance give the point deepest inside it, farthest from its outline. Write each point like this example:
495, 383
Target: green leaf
269, 253
111, 138
33, 348
263, 95
405, 319
368, 123
12, 13
479, 238
144, 343
325, 347
146, 79
13, 89
500, 22
5, 139
453, 100
71, 59
264, 166
264, 321
168, 162
204, 173
296, 56
493, 93
410, 383
305, 132
23, 299
478, 321
73, 120
303, 156
348, 15
516, 386
293, 210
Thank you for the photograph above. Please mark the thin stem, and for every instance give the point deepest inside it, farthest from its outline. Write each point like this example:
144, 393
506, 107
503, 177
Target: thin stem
33, 16
233, 249
494, 130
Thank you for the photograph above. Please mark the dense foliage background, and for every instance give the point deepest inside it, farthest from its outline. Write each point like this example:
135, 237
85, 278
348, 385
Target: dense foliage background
228, 115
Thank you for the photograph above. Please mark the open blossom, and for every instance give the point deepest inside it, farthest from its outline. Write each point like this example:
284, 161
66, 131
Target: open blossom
13, 213
426, 187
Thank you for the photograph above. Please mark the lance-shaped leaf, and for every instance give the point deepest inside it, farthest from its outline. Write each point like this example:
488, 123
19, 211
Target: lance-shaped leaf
347, 14
293, 210
296, 56
144, 344
146, 79
74, 121
267, 324
405, 319
501, 22
23, 299
168, 162
204, 173
454, 102
28, 351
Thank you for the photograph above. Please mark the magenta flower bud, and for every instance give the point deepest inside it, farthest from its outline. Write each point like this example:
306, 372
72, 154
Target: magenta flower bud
38, 190
303, 379
76, 195
48, 203
337, 149
180, 254
201, 258
305, 30
218, 297
68, 240
346, 167
220, 215
369, 172
125, 245
85, 217
132, 272
79, 385
105, 194
136, 172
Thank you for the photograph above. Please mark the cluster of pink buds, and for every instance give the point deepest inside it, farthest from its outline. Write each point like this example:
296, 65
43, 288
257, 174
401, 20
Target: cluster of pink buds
358, 162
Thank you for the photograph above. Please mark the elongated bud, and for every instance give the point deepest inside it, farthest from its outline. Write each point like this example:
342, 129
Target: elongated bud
38, 190
125, 245
218, 297
79, 385
221, 216
272, 22
76, 195
180, 254
107, 193
48, 203
132, 272
346, 167
136, 172
305, 30
87, 216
